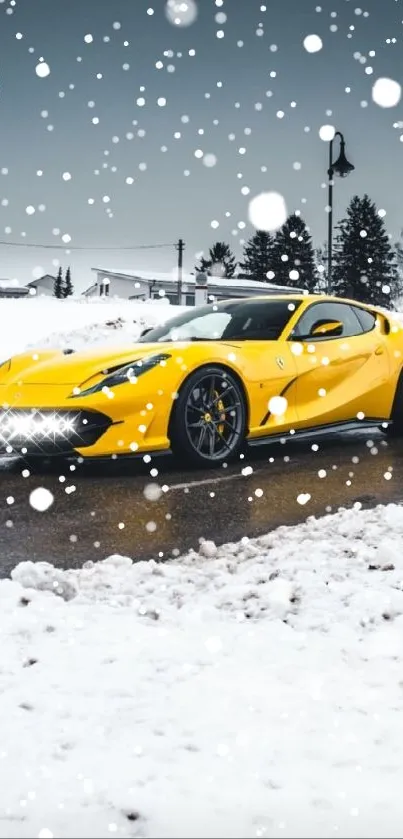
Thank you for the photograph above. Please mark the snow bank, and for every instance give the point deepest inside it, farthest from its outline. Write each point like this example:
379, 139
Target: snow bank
249, 690
48, 322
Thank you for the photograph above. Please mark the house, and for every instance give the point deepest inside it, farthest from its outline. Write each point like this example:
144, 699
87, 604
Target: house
43, 286
10, 288
145, 285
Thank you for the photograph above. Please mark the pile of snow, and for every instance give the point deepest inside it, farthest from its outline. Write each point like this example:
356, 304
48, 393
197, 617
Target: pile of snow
249, 690
51, 323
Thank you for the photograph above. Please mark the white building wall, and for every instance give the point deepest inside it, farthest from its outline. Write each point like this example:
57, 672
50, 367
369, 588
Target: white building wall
119, 287
44, 287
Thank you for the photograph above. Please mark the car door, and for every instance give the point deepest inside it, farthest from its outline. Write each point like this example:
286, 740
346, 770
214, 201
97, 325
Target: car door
341, 371
272, 371
265, 360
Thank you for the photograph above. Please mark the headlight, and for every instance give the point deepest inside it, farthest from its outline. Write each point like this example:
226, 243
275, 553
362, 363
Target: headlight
5, 366
129, 373
34, 426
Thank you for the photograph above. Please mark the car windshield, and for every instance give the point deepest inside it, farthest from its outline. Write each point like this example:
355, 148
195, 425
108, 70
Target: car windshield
249, 320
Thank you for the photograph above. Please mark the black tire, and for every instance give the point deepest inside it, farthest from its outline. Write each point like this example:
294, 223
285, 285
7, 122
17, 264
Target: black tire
395, 430
208, 424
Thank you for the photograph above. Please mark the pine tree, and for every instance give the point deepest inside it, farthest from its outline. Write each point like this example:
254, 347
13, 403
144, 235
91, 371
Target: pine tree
293, 257
204, 266
257, 255
68, 289
221, 262
321, 263
399, 266
364, 261
58, 290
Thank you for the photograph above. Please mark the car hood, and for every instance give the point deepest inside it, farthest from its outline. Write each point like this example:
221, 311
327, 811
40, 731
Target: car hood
48, 368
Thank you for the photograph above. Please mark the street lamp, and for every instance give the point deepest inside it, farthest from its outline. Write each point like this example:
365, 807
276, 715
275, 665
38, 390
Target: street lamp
342, 168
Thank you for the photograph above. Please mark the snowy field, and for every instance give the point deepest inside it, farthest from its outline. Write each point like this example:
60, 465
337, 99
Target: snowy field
247, 691
251, 690
48, 322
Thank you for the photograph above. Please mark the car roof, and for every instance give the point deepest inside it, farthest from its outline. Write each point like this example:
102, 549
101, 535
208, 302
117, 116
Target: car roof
308, 298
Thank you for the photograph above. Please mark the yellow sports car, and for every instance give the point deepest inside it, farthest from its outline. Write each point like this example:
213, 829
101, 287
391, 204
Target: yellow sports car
211, 380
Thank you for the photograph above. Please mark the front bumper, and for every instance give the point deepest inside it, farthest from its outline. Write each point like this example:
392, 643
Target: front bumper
48, 431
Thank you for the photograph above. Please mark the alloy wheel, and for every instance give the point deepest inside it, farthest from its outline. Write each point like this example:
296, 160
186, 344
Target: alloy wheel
214, 416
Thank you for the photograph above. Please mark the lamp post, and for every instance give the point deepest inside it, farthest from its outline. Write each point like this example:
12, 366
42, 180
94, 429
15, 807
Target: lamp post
340, 167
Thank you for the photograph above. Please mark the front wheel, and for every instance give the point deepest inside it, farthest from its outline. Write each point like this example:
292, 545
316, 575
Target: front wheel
209, 419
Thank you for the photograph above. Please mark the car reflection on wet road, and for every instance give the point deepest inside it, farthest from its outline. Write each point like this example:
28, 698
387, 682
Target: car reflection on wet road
105, 508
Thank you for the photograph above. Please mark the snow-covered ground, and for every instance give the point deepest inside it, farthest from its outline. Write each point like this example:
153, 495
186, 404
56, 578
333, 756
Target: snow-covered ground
48, 322
247, 691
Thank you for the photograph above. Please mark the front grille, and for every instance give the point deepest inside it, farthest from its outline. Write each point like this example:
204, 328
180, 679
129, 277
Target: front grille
49, 430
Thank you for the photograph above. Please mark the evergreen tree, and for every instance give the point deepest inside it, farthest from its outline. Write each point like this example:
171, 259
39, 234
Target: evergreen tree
204, 266
364, 261
221, 261
257, 256
399, 266
293, 257
321, 263
58, 285
68, 289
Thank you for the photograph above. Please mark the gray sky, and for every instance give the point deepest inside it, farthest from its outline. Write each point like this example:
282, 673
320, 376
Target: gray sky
221, 100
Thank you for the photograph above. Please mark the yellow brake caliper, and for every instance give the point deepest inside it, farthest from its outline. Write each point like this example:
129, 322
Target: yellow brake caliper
221, 409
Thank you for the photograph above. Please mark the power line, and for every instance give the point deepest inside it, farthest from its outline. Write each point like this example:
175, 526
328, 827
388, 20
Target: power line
84, 247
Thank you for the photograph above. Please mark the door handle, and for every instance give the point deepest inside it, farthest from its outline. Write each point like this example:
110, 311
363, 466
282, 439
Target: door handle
379, 351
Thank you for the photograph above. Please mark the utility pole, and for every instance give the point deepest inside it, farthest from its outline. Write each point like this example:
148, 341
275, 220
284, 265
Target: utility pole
180, 248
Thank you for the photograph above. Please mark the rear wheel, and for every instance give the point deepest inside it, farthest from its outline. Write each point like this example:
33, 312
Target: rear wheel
209, 420
396, 428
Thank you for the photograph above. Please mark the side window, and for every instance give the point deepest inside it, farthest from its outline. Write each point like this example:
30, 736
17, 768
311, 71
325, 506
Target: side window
367, 319
322, 313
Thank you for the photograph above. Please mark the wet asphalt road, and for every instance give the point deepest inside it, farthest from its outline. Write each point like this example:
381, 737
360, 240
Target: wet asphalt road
86, 523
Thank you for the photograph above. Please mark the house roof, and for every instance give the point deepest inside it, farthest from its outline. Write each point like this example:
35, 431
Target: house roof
35, 283
168, 277
6, 288
90, 288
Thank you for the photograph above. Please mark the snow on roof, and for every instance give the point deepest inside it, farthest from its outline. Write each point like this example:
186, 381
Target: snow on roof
170, 277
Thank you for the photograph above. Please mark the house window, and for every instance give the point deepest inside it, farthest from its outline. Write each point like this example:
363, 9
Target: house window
190, 300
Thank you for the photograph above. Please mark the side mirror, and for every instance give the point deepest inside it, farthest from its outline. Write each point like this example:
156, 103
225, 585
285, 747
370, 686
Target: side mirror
327, 329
